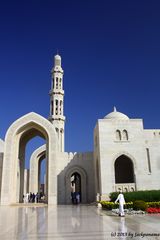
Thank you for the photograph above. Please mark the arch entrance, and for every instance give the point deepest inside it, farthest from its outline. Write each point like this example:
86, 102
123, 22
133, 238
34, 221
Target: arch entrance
29, 133
19, 133
124, 174
42, 177
76, 182
76, 193
38, 156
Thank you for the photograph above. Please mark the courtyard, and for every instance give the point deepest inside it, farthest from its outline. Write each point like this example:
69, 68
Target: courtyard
79, 222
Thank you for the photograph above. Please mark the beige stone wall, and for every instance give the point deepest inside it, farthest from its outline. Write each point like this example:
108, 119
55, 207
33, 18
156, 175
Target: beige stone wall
83, 163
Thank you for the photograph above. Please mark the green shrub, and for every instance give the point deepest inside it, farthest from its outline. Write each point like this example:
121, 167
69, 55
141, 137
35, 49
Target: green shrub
140, 205
111, 205
128, 205
137, 205
147, 196
153, 204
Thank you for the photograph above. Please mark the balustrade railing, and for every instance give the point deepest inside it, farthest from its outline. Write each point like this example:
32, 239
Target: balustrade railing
125, 187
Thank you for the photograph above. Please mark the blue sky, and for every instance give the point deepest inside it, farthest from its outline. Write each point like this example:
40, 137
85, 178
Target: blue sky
110, 55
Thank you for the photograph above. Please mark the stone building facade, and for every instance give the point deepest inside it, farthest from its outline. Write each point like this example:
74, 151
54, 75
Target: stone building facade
125, 156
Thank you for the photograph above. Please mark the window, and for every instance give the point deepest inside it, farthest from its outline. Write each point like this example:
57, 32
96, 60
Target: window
56, 82
118, 135
125, 135
53, 83
60, 107
56, 107
148, 158
51, 107
60, 83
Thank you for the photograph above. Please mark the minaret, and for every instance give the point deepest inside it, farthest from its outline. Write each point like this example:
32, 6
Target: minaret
56, 101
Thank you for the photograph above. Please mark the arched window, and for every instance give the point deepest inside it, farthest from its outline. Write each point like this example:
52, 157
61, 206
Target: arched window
52, 107
118, 135
53, 84
125, 135
60, 83
56, 112
124, 171
60, 107
56, 82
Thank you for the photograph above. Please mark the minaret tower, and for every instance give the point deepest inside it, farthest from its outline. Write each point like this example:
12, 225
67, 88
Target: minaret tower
56, 101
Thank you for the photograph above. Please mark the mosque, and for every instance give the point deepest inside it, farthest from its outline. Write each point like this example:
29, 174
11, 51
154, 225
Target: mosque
125, 156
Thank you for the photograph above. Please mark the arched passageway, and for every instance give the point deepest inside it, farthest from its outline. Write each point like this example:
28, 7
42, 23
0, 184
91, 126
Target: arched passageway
17, 136
42, 177
38, 156
27, 135
76, 181
76, 193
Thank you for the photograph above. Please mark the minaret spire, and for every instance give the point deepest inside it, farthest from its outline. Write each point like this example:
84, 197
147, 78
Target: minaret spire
114, 109
57, 117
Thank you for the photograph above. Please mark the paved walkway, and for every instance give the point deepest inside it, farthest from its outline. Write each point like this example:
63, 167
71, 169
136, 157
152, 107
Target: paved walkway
74, 222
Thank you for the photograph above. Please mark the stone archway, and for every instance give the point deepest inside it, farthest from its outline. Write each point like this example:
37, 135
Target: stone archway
37, 156
76, 192
17, 136
84, 189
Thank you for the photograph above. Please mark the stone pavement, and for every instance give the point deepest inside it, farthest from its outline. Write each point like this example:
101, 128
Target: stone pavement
74, 222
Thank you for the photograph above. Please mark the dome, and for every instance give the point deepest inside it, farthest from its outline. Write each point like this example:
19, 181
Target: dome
116, 115
57, 60
58, 57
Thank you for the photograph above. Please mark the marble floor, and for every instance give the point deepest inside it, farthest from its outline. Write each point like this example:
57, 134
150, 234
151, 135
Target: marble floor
74, 222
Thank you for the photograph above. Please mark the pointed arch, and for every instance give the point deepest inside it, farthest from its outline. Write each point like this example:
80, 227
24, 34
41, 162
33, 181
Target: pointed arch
37, 156
122, 186
127, 154
124, 169
83, 175
118, 135
125, 135
18, 134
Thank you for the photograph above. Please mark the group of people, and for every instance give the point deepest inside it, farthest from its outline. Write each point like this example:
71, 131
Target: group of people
33, 197
75, 197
